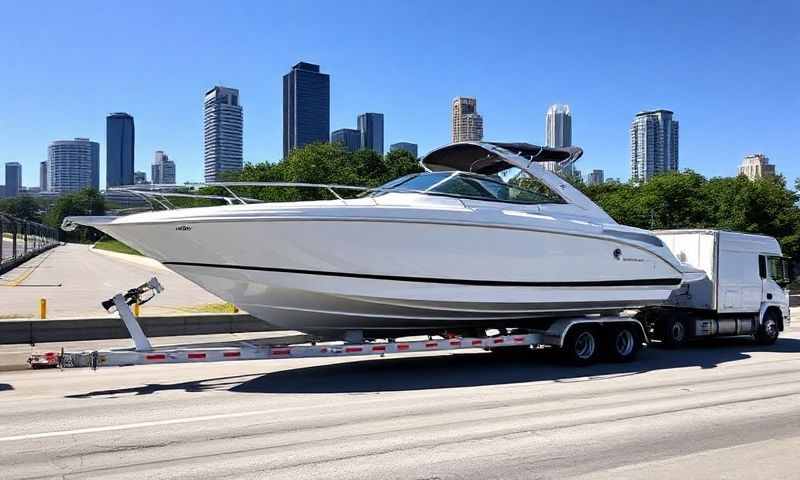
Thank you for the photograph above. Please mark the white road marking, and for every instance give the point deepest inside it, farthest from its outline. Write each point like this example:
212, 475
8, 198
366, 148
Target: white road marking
130, 426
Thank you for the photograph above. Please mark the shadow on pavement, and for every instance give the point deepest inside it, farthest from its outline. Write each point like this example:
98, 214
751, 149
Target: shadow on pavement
399, 373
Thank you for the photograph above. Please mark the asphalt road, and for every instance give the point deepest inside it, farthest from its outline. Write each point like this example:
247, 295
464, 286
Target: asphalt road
726, 409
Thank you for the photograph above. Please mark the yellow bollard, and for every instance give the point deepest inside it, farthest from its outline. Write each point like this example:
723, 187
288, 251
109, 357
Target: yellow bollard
42, 308
135, 309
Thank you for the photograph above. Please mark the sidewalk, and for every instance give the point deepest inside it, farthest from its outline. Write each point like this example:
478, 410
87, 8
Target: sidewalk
75, 279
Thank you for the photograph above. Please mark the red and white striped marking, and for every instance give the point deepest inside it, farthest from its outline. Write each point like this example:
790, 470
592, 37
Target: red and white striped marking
194, 355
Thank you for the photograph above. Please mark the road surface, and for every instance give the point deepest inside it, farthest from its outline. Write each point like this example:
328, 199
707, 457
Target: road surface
728, 409
75, 279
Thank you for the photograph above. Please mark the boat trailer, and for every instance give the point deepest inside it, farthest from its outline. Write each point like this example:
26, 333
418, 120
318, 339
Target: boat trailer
581, 337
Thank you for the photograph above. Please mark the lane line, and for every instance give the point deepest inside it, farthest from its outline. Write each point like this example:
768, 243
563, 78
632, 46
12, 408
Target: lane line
130, 426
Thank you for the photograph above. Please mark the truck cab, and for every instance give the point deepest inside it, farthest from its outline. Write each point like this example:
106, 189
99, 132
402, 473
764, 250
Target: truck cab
743, 291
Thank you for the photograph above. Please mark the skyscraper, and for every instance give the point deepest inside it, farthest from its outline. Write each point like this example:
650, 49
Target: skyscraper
654, 144
467, 123
349, 137
43, 176
370, 126
13, 178
120, 139
558, 126
163, 169
73, 165
558, 133
595, 177
222, 132
754, 166
405, 146
306, 107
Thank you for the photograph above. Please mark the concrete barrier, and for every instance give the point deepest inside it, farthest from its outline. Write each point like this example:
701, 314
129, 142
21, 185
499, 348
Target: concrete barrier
79, 329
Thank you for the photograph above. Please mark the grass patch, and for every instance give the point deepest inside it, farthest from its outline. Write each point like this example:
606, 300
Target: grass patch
211, 308
112, 245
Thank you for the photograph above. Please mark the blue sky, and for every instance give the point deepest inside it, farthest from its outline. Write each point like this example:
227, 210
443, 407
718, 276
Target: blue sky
729, 70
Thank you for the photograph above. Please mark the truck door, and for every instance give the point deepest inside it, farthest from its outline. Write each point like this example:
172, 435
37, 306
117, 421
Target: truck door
774, 271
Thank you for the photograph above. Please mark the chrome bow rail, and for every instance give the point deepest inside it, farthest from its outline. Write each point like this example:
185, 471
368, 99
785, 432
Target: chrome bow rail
157, 195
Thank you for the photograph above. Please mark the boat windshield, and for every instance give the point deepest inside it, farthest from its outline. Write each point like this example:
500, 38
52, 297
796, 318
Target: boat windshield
516, 189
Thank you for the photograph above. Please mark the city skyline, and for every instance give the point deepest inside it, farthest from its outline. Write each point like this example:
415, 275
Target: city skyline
721, 110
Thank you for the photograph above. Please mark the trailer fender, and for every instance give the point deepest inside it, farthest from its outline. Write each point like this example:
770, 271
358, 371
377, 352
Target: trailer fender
557, 333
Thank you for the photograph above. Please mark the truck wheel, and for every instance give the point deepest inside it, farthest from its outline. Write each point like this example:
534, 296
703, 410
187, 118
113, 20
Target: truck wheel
768, 330
623, 343
675, 334
582, 345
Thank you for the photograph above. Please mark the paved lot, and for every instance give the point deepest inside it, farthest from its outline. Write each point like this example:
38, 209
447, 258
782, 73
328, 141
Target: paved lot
75, 279
726, 409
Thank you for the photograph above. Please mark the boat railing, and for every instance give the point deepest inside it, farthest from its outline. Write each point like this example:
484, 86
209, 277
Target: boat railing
157, 195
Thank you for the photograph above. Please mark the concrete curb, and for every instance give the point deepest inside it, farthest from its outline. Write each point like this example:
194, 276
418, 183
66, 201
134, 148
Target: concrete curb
80, 329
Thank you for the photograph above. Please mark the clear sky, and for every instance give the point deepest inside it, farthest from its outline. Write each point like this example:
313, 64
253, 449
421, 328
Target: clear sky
730, 70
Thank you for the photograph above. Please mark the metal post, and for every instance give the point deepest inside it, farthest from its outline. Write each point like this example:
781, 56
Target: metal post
138, 336
25, 237
14, 240
2, 238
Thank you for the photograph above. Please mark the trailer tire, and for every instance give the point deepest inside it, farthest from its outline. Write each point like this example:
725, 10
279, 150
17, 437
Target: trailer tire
581, 345
674, 332
623, 342
768, 331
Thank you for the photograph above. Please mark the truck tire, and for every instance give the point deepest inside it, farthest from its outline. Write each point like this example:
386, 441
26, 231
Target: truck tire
768, 330
623, 342
674, 332
582, 345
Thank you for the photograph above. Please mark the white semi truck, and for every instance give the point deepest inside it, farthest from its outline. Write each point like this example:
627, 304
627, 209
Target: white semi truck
743, 293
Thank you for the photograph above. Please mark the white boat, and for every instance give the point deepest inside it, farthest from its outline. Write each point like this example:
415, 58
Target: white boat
485, 238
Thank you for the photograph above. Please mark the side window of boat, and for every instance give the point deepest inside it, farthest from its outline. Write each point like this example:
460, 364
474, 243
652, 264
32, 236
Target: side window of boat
465, 187
530, 190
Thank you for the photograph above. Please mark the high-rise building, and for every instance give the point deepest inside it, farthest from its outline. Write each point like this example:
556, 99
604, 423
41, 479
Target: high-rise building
405, 146
558, 133
595, 177
467, 123
120, 139
558, 126
654, 144
370, 126
139, 178
306, 107
13, 179
73, 165
756, 165
349, 137
43, 176
162, 170
222, 132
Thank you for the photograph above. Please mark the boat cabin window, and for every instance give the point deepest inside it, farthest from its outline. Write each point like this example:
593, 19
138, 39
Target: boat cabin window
479, 187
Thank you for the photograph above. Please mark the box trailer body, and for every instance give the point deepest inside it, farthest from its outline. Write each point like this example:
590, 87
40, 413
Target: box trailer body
746, 276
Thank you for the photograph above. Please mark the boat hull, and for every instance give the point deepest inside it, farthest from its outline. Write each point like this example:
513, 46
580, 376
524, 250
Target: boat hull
327, 274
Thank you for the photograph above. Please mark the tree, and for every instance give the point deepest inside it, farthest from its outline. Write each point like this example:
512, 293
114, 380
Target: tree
24, 207
84, 202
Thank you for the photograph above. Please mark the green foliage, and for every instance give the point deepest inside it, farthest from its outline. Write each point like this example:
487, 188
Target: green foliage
321, 163
24, 207
688, 200
108, 243
85, 202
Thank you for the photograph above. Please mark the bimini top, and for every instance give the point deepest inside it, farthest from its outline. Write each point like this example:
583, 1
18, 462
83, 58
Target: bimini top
488, 158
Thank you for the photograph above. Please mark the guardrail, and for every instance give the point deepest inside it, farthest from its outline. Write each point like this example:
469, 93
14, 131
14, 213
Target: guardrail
22, 239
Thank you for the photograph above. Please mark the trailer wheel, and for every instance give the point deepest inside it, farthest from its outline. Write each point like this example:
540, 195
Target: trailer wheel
675, 334
623, 343
582, 345
768, 330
